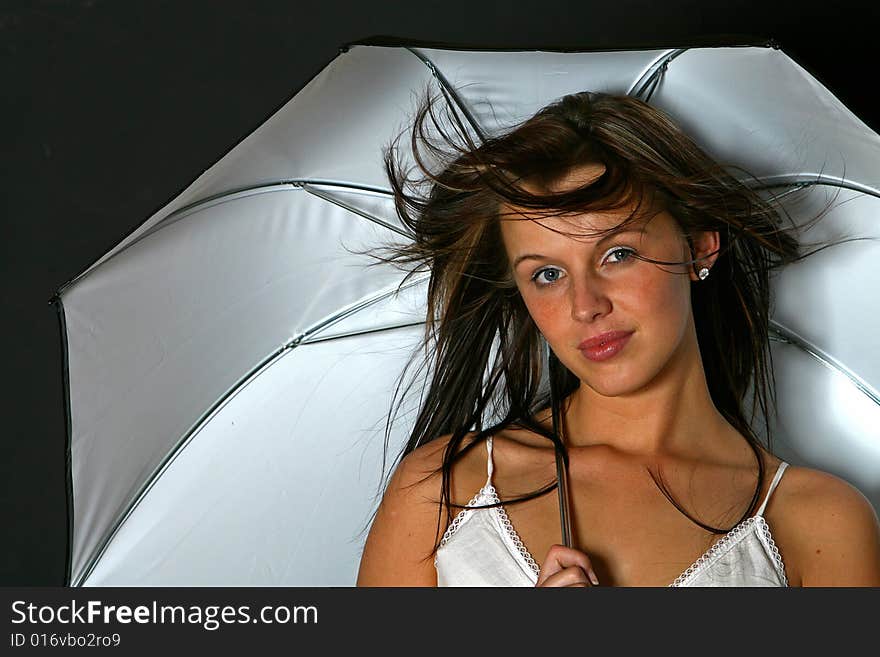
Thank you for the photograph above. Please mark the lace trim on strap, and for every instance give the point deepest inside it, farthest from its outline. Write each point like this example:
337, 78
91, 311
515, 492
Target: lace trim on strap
485, 490
511, 532
733, 536
489, 492
456, 523
777, 557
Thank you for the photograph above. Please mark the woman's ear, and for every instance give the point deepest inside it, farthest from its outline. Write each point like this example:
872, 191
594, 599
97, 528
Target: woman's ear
705, 246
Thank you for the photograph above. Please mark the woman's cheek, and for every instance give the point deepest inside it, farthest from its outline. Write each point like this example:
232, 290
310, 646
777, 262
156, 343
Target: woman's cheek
668, 292
545, 312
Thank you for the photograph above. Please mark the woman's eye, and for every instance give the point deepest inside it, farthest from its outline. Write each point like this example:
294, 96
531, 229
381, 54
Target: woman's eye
546, 276
620, 255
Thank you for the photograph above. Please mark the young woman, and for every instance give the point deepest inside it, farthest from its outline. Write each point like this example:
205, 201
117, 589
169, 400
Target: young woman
598, 233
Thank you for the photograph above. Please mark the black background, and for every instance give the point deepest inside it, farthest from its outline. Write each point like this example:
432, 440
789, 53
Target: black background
110, 109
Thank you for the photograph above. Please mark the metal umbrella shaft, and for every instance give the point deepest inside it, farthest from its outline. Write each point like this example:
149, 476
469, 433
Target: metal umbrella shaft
564, 514
561, 461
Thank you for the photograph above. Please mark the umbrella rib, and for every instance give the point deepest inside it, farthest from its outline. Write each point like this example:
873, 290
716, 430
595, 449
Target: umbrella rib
367, 332
303, 337
296, 183
327, 322
801, 180
366, 215
179, 213
652, 73
175, 216
278, 185
450, 91
779, 333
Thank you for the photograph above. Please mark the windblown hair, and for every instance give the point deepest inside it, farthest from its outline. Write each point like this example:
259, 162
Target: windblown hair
450, 201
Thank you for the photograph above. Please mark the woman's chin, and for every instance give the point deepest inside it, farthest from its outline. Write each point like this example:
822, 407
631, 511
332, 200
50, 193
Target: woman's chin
613, 384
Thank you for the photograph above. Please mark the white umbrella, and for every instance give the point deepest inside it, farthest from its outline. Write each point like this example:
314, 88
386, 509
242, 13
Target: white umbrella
230, 363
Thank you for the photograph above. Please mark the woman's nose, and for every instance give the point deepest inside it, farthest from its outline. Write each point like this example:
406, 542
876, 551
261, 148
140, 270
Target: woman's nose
588, 300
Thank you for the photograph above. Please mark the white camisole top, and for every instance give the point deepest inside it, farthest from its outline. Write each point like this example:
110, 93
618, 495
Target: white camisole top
481, 548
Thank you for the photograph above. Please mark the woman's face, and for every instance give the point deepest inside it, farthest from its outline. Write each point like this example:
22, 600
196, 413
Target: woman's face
577, 288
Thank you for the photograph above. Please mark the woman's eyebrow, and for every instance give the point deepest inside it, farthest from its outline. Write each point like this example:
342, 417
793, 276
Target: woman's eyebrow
538, 256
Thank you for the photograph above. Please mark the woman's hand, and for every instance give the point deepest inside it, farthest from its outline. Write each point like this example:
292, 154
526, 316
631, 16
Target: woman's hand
565, 566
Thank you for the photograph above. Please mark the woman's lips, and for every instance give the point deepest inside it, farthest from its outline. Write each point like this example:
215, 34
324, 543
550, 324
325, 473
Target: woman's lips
604, 346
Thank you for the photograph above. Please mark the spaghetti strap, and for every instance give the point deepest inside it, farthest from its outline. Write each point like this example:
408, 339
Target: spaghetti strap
773, 484
489, 466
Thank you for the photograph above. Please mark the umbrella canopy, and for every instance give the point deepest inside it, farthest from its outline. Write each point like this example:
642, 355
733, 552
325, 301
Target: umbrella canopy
231, 362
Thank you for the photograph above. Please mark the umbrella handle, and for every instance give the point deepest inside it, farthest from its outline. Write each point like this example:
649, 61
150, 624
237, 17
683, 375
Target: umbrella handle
561, 469
564, 508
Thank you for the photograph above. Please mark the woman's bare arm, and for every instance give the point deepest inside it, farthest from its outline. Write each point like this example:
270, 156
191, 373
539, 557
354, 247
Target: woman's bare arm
398, 549
838, 534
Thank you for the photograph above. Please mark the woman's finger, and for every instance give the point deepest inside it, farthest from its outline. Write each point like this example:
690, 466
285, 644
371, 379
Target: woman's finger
560, 558
573, 576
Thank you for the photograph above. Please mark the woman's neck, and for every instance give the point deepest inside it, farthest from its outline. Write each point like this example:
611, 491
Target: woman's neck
671, 416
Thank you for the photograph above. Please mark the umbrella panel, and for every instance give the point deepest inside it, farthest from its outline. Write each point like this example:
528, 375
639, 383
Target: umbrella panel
276, 487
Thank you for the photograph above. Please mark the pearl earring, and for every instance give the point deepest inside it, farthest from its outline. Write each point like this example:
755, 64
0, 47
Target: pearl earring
704, 272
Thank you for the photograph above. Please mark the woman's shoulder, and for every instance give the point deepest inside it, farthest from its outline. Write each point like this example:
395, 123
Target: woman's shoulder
827, 530
408, 522
421, 469
815, 494
515, 454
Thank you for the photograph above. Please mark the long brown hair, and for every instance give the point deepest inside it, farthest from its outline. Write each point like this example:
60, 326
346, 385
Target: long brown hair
482, 347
